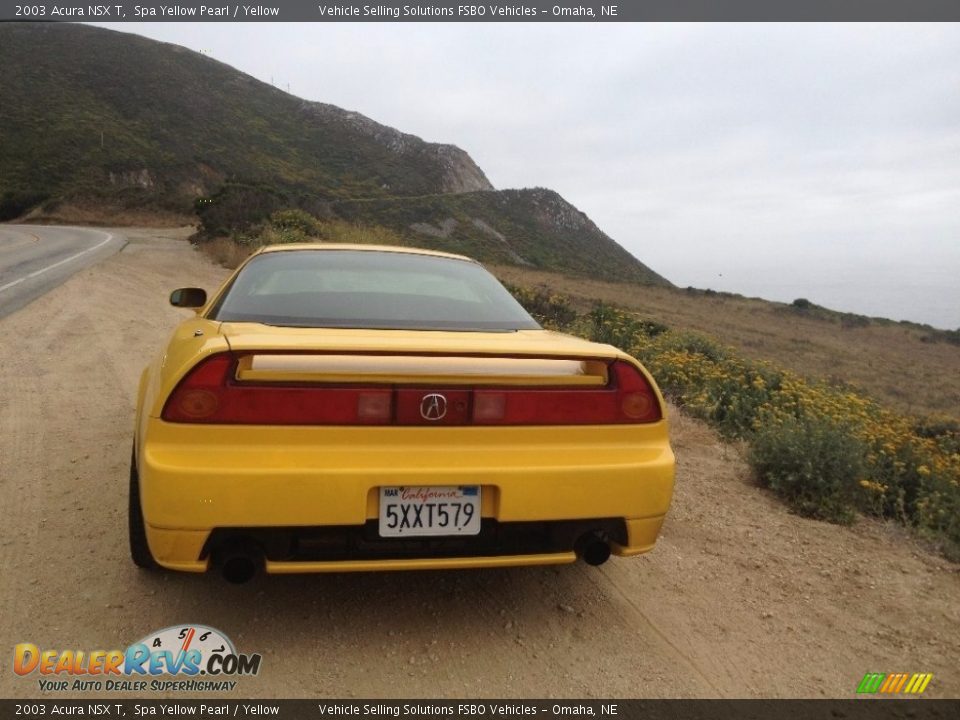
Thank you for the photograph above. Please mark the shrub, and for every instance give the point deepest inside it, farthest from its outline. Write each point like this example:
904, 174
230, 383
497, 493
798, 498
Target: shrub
296, 220
549, 309
852, 320
696, 344
814, 464
236, 208
827, 450
943, 430
274, 235
618, 328
14, 203
938, 514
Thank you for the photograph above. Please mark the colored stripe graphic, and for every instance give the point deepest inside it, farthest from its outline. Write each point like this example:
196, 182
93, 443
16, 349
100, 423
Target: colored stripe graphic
894, 683
871, 682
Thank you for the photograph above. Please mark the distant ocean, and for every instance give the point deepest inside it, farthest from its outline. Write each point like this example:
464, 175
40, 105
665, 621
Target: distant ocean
928, 292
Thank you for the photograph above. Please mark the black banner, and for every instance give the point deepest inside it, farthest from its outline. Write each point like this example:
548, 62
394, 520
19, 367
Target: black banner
489, 11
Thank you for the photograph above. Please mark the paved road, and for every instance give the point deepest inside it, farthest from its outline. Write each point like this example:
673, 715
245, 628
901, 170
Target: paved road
36, 258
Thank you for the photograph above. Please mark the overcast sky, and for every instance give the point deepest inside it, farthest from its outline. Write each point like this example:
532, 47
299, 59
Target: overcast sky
782, 161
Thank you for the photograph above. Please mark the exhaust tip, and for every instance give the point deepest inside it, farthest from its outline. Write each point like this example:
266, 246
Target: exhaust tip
593, 548
239, 564
239, 569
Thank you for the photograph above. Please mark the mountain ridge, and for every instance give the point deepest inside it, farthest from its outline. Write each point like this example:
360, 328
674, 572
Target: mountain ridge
89, 115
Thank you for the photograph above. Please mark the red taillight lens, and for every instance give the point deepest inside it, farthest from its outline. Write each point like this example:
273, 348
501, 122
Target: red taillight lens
638, 401
198, 404
637, 405
374, 406
197, 397
210, 393
490, 406
628, 399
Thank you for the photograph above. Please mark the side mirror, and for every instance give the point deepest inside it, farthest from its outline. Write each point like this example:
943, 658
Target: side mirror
188, 298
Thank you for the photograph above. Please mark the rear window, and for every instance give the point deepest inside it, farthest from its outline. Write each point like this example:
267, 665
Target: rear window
369, 289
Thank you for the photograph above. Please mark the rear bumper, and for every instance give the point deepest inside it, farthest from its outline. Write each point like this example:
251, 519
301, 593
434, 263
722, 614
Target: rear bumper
195, 551
202, 485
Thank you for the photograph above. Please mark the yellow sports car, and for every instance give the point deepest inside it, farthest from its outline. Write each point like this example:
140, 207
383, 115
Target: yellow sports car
351, 407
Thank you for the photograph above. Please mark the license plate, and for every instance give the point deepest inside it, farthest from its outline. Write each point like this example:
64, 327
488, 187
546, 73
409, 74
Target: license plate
411, 511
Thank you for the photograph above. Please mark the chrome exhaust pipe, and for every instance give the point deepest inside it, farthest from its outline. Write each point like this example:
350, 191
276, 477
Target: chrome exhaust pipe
593, 548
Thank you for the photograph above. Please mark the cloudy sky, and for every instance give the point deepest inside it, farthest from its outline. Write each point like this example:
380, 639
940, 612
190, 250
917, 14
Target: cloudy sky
783, 161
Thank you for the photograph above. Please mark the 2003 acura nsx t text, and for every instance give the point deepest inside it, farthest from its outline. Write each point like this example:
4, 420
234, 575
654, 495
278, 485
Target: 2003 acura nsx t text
338, 407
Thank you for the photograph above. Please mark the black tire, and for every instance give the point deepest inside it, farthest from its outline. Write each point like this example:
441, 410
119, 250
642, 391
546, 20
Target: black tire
139, 549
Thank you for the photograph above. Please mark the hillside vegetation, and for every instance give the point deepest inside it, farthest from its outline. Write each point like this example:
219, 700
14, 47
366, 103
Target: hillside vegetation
95, 119
534, 228
909, 367
92, 111
829, 451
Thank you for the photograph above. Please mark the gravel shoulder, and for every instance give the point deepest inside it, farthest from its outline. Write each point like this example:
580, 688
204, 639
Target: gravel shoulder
739, 599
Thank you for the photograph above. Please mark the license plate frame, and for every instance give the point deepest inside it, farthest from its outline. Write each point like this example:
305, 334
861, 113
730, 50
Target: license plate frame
429, 511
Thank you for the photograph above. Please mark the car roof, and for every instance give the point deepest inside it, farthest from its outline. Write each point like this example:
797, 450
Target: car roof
285, 247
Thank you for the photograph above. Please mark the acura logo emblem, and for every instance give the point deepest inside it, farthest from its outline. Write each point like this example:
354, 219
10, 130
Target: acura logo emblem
433, 407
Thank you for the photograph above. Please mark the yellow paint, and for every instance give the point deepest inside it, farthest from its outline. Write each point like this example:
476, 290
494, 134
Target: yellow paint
286, 568
195, 478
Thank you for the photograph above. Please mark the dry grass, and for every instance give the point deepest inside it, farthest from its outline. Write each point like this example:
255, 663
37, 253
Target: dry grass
108, 215
225, 252
229, 253
894, 363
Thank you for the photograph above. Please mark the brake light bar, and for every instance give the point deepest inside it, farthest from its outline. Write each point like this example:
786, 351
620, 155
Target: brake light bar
211, 393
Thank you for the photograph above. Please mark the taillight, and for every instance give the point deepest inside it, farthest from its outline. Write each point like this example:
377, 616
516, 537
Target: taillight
638, 401
629, 398
197, 397
210, 393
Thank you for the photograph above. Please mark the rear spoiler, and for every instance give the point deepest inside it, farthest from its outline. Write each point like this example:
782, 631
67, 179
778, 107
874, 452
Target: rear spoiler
448, 370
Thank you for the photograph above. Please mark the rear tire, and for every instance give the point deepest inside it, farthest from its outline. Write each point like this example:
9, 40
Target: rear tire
139, 549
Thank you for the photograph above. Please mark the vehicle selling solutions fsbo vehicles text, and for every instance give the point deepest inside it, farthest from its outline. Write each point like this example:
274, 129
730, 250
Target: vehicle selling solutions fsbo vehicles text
465, 11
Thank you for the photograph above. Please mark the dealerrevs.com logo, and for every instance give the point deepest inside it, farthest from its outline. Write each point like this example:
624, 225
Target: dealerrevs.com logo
197, 657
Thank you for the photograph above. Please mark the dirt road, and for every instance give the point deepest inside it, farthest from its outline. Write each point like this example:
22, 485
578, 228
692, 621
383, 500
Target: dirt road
739, 599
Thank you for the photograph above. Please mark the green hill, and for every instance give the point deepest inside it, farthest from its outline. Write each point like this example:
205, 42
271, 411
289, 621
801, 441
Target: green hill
92, 116
175, 124
536, 228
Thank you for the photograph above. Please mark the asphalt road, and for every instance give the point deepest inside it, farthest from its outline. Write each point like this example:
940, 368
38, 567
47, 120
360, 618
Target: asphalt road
36, 258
